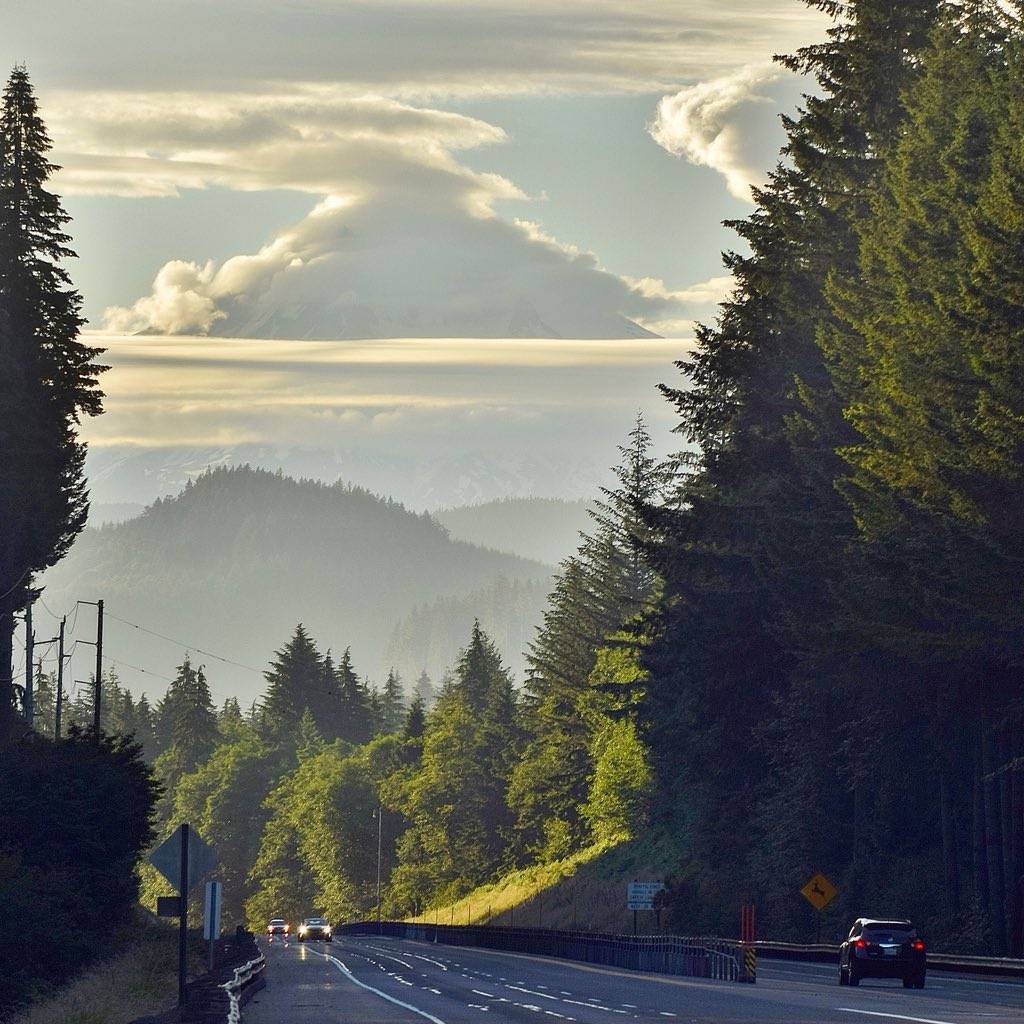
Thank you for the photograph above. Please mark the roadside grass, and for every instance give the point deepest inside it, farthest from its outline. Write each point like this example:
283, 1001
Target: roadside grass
138, 978
585, 892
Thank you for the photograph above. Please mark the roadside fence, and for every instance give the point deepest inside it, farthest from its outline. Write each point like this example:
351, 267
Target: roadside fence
718, 959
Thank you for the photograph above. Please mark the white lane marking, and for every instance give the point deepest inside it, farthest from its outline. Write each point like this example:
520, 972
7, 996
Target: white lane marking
398, 960
530, 992
376, 991
892, 1016
564, 993
665, 1013
477, 1006
486, 995
595, 1006
436, 963
542, 986
629, 1006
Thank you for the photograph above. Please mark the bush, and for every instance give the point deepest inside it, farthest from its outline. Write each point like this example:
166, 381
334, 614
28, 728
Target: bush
75, 816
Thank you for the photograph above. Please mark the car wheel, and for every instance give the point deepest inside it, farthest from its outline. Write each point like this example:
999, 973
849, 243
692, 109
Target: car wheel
842, 975
852, 974
909, 981
919, 981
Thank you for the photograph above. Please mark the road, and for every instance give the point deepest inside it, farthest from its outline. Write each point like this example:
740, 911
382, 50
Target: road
360, 980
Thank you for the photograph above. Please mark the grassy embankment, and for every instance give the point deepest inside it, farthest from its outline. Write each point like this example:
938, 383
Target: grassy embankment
586, 891
138, 977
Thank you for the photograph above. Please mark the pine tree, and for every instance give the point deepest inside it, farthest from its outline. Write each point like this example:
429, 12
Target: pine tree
606, 583
295, 682
186, 729
48, 378
392, 703
752, 547
424, 689
354, 716
415, 719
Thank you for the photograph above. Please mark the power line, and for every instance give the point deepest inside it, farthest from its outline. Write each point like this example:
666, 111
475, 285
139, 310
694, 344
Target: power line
187, 647
117, 662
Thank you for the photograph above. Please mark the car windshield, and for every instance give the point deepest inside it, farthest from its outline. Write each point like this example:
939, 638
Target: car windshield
315, 920
277, 920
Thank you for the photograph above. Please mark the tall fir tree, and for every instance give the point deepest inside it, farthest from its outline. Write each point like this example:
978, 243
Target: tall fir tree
48, 378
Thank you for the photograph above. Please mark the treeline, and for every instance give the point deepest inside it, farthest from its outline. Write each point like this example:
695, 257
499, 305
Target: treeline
835, 669
459, 779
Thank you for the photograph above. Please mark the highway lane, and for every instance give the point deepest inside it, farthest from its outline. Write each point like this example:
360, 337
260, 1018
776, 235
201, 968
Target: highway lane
366, 980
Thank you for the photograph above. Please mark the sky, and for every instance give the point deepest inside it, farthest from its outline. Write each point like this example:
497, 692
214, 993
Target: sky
331, 170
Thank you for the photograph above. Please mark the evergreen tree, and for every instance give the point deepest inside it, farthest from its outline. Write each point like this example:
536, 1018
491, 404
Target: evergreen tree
354, 717
415, 720
455, 797
186, 729
392, 703
48, 378
606, 583
295, 682
424, 689
752, 547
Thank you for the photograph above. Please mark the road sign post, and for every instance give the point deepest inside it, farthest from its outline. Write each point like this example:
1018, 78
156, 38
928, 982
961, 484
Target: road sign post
184, 858
211, 916
640, 896
819, 891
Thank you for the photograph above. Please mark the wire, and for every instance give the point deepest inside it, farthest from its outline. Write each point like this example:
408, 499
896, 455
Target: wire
116, 662
187, 647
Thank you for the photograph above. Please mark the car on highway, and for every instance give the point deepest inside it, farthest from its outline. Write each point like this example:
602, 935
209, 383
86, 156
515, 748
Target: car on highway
278, 926
314, 928
883, 949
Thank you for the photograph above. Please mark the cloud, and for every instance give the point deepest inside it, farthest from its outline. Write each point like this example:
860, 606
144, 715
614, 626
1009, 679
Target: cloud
412, 48
404, 240
729, 124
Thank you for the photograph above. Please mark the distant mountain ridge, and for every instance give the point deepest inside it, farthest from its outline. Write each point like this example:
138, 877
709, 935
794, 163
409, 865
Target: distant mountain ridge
545, 529
241, 555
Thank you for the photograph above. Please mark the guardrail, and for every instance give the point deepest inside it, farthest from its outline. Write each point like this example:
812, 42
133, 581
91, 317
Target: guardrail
945, 963
244, 977
659, 954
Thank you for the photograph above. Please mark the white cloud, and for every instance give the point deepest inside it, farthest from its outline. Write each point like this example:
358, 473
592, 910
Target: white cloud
404, 240
729, 124
412, 48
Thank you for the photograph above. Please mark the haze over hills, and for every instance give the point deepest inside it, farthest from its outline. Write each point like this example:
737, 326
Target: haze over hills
545, 529
128, 474
509, 611
234, 561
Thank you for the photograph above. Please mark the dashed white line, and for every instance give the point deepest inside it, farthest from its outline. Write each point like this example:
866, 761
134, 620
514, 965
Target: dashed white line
376, 991
892, 1016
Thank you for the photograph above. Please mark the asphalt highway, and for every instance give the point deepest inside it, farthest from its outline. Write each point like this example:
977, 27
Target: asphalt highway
368, 980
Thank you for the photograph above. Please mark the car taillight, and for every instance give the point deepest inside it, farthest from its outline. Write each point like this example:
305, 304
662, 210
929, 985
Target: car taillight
861, 944
918, 944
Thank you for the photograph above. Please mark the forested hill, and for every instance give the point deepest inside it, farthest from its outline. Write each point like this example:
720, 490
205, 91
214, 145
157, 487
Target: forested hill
238, 557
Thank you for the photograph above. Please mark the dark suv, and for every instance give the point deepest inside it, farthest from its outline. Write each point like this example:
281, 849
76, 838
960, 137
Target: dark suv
882, 949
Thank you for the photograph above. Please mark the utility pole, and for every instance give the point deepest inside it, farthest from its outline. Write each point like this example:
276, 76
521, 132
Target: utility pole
99, 669
29, 702
60, 680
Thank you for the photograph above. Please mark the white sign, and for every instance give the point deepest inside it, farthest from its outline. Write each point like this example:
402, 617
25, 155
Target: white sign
211, 911
640, 895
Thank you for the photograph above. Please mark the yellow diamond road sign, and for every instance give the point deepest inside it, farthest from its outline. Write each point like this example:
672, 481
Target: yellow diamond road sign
819, 892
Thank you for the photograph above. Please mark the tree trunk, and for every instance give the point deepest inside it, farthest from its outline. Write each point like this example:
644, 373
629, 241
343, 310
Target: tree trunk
951, 868
993, 845
1017, 833
7, 713
1004, 780
979, 863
